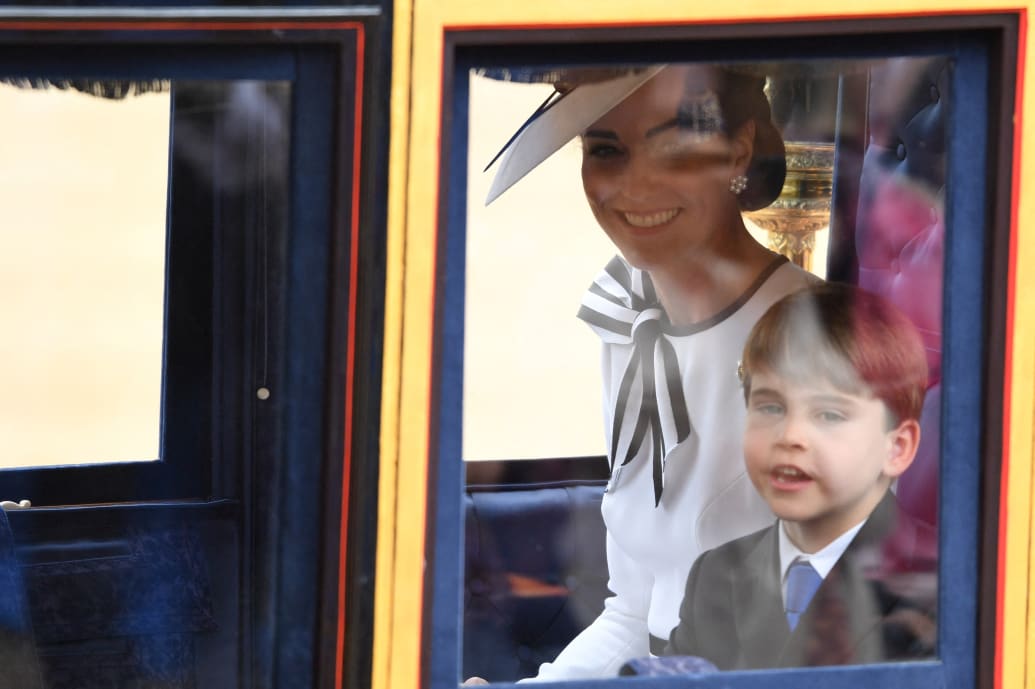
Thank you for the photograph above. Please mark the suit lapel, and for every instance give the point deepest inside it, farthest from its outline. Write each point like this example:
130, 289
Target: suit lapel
761, 625
842, 623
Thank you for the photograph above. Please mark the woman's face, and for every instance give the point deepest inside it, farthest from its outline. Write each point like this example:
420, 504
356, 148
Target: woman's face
657, 168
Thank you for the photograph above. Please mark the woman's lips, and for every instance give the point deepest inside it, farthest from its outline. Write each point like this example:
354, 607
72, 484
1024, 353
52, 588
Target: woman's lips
651, 219
788, 477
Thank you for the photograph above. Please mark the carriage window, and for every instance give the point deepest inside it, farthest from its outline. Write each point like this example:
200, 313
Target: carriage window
144, 225
83, 266
92, 167
619, 254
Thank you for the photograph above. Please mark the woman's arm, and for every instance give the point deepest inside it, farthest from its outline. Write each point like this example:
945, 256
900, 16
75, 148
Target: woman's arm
618, 634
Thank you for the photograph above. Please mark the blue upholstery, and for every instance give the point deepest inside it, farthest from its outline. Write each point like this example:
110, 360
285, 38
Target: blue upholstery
535, 574
121, 597
122, 617
19, 666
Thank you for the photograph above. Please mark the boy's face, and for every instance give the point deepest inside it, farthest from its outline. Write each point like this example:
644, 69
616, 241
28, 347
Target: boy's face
822, 458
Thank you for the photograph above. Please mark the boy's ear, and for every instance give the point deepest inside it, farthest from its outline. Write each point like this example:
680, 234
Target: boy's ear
903, 441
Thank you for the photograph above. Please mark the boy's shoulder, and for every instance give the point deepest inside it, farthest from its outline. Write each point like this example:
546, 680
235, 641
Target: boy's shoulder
749, 542
907, 544
740, 551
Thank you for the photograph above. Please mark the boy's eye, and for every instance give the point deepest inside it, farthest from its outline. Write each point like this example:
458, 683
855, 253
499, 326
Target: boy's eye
830, 416
769, 409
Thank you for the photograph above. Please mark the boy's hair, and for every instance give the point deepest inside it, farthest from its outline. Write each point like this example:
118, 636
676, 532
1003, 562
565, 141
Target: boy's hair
845, 335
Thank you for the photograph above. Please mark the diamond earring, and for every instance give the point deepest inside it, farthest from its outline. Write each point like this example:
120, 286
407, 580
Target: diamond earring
738, 183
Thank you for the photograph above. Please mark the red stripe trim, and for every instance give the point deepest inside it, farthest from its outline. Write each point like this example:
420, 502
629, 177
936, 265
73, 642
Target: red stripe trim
174, 25
350, 358
1011, 294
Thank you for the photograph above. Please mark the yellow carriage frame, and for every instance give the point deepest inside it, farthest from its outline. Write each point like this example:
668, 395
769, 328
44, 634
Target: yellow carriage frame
420, 31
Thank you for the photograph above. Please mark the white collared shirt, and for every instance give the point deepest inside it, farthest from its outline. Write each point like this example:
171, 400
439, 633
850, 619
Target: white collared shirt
822, 561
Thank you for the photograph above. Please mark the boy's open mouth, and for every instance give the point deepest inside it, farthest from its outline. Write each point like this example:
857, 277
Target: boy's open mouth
788, 477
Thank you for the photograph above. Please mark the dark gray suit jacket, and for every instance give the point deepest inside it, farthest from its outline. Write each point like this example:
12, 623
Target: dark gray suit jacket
877, 604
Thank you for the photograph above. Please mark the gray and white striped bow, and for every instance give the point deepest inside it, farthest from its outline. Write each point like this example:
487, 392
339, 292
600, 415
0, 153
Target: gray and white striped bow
623, 308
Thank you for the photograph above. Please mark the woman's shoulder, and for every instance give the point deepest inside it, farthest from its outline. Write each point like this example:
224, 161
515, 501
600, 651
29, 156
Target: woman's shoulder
782, 278
779, 278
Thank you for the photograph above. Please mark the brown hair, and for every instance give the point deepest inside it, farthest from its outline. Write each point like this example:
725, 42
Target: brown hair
852, 338
742, 98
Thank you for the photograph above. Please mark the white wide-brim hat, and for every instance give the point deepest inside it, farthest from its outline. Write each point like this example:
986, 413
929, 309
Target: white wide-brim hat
561, 121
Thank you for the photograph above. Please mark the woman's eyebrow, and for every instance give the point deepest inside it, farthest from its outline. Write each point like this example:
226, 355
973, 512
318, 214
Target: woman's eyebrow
601, 134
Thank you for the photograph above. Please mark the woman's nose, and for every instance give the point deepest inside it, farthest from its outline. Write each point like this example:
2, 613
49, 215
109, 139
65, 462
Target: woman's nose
639, 179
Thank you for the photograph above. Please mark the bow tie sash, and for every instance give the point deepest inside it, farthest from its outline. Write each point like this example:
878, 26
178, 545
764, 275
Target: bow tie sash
622, 308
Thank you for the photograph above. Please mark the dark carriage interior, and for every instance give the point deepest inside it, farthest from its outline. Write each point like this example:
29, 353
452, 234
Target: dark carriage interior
152, 574
535, 568
216, 564
141, 595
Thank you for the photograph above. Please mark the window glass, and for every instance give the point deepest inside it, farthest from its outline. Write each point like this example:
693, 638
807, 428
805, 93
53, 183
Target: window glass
525, 274
134, 212
83, 273
557, 361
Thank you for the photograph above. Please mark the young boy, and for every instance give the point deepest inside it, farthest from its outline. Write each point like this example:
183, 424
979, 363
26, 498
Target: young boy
834, 380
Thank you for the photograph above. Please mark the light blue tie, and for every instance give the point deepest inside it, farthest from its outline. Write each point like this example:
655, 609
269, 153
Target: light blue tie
802, 582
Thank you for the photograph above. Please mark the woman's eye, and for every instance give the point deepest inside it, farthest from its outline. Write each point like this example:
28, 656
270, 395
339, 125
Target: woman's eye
602, 151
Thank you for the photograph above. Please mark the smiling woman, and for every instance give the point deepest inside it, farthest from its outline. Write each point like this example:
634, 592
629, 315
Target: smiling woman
660, 171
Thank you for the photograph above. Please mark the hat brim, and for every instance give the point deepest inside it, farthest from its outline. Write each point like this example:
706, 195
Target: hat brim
562, 122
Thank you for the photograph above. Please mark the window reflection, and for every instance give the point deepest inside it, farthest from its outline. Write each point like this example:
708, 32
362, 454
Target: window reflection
536, 564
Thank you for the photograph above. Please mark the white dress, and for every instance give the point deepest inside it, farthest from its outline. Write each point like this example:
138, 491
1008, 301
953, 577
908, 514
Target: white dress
707, 497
